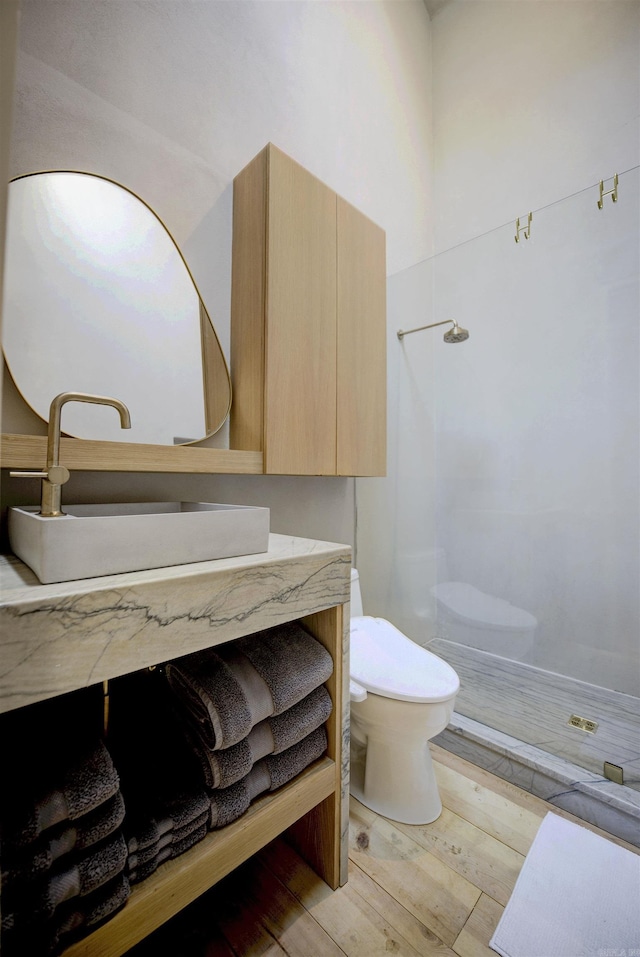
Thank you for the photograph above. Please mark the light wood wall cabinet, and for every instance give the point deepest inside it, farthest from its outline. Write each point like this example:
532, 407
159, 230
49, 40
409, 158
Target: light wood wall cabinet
308, 324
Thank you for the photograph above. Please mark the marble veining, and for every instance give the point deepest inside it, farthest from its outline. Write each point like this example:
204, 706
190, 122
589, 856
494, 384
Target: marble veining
57, 638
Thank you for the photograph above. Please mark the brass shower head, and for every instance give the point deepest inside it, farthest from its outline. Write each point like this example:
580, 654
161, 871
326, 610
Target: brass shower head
456, 334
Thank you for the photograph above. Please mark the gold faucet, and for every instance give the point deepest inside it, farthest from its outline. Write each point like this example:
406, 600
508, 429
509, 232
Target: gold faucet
55, 475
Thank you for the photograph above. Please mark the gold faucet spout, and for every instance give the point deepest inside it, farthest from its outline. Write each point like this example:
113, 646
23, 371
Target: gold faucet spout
57, 475
55, 412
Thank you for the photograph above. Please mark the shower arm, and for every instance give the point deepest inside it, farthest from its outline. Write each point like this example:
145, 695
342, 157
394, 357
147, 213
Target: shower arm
407, 332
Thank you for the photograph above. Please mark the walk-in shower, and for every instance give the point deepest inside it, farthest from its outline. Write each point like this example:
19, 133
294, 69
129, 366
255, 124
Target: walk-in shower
514, 482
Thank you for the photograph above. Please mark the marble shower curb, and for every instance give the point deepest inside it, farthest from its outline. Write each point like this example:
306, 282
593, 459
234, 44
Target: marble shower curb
591, 797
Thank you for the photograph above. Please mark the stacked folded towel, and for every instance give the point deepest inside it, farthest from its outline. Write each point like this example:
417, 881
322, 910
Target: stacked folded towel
189, 748
146, 860
30, 861
150, 842
227, 691
254, 713
270, 773
167, 805
274, 735
72, 920
82, 781
75, 875
63, 850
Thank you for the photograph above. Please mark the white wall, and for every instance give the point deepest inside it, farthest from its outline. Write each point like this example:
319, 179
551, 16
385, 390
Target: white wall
534, 420
533, 101
8, 45
172, 98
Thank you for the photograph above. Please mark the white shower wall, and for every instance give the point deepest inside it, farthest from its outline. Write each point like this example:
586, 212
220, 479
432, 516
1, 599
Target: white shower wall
532, 101
537, 425
515, 454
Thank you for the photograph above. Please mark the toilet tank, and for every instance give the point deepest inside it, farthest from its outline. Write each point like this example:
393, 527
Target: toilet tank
356, 596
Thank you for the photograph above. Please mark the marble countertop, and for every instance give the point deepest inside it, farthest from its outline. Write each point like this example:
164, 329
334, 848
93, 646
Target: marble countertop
61, 637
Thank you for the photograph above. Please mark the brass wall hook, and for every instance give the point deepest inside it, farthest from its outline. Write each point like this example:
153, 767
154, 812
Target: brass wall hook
613, 193
522, 228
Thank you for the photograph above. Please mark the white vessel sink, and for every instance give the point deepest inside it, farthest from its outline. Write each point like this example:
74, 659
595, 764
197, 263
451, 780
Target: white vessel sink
92, 540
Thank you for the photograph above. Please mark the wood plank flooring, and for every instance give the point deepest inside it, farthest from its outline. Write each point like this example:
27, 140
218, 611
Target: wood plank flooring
436, 891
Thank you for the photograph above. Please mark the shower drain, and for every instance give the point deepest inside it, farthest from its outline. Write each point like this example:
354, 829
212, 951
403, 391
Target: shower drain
583, 724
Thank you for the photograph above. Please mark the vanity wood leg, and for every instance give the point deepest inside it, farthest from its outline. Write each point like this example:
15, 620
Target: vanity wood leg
317, 835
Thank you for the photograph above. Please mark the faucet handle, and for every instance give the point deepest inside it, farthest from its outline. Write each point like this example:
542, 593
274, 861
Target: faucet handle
57, 474
42, 475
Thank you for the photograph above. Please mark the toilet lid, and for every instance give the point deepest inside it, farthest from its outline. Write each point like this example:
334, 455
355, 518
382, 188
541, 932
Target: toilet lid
386, 662
471, 605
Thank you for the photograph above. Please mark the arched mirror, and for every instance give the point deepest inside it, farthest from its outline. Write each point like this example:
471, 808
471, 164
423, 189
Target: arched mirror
98, 298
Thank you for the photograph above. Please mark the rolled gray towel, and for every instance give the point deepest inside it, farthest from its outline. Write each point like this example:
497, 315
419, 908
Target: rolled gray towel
284, 767
223, 768
228, 804
212, 696
99, 824
144, 828
185, 807
90, 871
268, 774
226, 692
72, 921
36, 859
175, 849
145, 854
145, 831
290, 660
84, 913
82, 782
298, 722
75, 876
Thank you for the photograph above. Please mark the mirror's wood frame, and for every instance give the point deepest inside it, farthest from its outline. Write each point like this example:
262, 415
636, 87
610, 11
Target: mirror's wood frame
29, 452
22, 451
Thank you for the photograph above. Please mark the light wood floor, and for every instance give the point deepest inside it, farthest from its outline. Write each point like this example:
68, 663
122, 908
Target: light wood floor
438, 890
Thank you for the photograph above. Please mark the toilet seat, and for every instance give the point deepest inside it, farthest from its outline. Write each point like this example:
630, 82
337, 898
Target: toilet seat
472, 606
387, 663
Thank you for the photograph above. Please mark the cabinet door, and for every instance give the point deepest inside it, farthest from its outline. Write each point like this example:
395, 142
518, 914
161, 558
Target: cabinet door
308, 324
300, 356
361, 352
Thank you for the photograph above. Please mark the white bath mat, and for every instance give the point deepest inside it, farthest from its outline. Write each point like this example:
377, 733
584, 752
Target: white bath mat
577, 895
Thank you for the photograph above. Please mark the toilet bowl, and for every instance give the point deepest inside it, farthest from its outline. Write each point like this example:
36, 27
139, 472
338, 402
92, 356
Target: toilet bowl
471, 617
401, 696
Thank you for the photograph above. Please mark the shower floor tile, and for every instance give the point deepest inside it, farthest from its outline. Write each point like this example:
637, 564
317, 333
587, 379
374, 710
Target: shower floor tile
534, 706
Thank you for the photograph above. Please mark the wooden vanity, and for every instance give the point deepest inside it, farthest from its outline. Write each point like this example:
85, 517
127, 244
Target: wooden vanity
64, 637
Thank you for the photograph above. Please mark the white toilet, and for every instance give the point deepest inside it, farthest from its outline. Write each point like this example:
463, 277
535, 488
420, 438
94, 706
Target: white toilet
401, 696
471, 617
